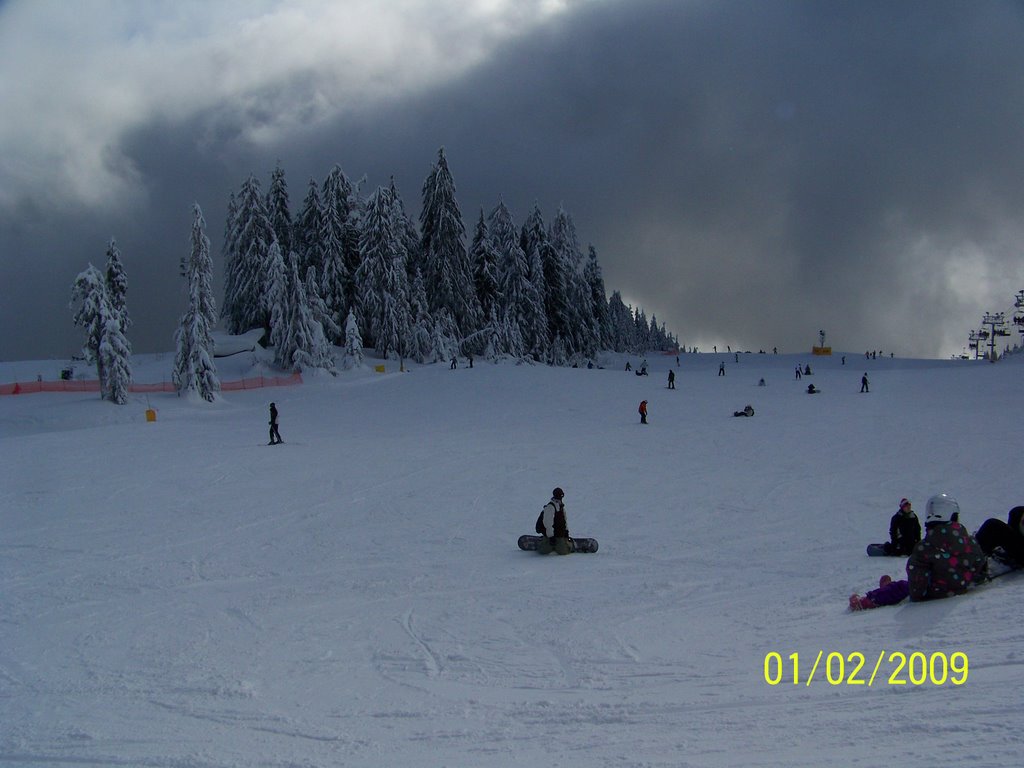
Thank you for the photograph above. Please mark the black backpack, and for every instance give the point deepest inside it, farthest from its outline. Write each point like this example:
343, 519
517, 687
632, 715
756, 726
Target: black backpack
539, 527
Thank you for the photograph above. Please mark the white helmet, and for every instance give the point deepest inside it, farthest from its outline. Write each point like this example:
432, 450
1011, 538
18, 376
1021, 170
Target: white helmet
941, 509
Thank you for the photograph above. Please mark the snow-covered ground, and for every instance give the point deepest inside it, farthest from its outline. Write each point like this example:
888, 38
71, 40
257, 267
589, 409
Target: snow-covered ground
177, 593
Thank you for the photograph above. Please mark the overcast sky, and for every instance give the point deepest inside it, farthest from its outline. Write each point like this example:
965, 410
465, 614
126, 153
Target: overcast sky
749, 172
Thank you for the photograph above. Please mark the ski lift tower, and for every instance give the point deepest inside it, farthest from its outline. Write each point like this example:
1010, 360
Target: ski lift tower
997, 322
821, 349
975, 342
1018, 315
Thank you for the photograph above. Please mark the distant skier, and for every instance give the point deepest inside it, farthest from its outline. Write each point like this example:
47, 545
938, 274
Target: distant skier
1009, 536
643, 411
721, 369
275, 436
552, 525
947, 561
864, 383
799, 373
671, 379
904, 530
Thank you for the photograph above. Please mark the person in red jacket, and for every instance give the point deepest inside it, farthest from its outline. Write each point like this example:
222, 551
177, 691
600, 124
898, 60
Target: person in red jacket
947, 561
643, 411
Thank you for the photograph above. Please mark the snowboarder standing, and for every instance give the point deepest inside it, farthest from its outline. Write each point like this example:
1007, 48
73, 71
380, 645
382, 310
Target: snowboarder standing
275, 436
671, 379
947, 561
643, 411
904, 530
864, 383
552, 525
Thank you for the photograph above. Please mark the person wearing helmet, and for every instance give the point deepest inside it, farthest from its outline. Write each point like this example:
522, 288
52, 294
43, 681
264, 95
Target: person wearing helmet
947, 561
904, 530
1009, 536
552, 525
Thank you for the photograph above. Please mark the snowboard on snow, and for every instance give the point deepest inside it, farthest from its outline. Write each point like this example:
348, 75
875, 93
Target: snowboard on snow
878, 550
1000, 566
529, 543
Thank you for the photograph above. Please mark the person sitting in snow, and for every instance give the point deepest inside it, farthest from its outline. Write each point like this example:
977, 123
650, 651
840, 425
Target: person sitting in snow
889, 592
553, 527
904, 531
1009, 536
947, 561
812, 390
747, 411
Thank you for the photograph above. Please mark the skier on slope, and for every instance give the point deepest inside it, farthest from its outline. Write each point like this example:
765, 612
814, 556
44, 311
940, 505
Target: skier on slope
275, 436
947, 561
552, 525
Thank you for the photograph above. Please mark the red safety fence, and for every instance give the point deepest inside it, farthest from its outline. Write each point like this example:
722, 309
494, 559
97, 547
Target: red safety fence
92, 385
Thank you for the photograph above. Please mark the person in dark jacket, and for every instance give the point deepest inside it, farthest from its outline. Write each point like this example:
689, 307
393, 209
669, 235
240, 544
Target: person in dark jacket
747, 411
671, 379
947, 561
1009, 536
275, 436
864, 387
904, 531
552, 525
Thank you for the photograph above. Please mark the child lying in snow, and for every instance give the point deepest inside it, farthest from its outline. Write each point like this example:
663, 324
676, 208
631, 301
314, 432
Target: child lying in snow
889, 592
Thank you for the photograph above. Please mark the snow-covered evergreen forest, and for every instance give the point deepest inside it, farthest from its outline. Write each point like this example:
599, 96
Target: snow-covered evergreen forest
426, 292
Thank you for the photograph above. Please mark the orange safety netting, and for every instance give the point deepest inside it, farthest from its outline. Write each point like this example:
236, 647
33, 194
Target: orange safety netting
29, 387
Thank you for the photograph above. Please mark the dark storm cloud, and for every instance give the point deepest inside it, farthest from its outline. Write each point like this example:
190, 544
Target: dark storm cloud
748, 172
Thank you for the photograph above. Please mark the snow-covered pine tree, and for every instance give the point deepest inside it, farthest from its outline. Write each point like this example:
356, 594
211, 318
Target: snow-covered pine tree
279, 210
533, 240
380, 280
116, 354
336, 282
89, 292
194, 366
245, 304
485, 266
319, 309
117, 286
517, 302
353, 343
446, 267
641, 332
279, 297
580, 336
445, 336
623, 328
306, 231
421, 334
310, 346
105, 344
598, 300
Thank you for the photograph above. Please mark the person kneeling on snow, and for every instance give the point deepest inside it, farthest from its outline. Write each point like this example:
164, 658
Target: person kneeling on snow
947, 561
552, 525
1009, 536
